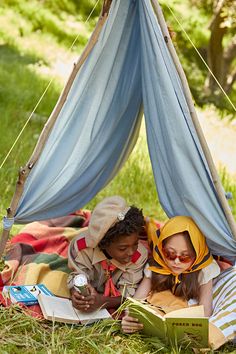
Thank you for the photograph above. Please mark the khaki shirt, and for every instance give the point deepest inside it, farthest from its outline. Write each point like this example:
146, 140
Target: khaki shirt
126, 277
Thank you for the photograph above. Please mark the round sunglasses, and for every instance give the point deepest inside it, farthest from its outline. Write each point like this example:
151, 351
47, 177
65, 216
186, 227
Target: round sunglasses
171, 256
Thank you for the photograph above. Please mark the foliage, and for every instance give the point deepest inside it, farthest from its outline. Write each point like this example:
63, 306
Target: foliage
59, 7
48, 16
32, 19
194, 17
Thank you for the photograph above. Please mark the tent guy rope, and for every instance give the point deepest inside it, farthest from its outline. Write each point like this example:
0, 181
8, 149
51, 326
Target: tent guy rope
42, 96
24, 172
216, 180
203, 60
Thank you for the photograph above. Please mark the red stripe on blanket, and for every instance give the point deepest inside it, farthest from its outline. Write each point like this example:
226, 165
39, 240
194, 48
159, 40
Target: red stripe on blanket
1, 282
23, 238
55, 244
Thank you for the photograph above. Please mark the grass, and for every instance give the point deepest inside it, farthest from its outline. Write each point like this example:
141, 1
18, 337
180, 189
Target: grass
31, 44
21, 333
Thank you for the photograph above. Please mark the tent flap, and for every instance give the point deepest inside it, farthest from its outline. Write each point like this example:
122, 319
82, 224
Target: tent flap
129, 68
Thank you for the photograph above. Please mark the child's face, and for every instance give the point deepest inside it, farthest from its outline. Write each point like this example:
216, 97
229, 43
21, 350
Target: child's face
177, 248
123, 248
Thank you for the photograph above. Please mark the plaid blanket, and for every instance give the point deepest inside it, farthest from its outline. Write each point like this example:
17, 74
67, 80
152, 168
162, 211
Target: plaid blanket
38, 254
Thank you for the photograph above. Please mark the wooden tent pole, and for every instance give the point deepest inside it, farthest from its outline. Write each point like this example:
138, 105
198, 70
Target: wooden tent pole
215, 177
24, 171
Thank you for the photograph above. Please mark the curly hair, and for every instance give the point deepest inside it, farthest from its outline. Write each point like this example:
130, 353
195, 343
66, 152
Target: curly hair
132, 223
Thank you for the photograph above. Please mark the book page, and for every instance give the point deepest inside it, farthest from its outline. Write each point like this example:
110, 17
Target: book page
90, 317
61, 309
187, 312
57, 307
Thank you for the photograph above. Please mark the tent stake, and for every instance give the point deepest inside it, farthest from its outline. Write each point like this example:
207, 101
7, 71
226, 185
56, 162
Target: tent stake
215, 177
24, 172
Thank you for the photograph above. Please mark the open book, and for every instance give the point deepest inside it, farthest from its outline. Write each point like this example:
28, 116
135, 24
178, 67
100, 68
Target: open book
186, 323
60, 309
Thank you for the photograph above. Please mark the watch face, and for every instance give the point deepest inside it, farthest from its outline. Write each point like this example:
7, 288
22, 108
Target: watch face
80, 280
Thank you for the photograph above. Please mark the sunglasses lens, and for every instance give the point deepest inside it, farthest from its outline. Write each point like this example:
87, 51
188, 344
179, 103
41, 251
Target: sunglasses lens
185, 259
171, 256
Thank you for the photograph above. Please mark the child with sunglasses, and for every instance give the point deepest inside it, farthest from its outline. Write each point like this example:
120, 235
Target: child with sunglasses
181, 264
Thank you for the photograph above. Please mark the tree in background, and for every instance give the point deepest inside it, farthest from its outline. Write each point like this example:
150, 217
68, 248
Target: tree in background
221, 49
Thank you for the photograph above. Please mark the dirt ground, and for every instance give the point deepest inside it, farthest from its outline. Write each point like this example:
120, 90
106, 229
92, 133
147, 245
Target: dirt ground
220, 135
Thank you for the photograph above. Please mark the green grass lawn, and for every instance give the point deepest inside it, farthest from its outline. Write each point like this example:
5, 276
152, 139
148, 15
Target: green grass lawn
29, 52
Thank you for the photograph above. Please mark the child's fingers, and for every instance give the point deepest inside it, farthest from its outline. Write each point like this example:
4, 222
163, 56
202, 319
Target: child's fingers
76, 295
80, 305
131, 328
129, 319
130, 324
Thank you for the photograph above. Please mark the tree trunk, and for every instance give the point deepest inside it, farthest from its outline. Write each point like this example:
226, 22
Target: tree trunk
215, 50
229, 75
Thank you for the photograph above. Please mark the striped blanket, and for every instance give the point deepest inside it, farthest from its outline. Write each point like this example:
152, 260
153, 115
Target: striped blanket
224, 304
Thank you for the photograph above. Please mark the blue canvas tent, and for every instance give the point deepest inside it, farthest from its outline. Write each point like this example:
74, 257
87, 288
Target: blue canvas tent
129, 69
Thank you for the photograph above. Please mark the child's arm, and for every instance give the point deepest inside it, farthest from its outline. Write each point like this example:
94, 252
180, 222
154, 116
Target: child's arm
143, 289
205, 297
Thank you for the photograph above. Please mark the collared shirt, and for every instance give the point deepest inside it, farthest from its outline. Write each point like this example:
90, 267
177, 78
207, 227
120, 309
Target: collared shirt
126, 277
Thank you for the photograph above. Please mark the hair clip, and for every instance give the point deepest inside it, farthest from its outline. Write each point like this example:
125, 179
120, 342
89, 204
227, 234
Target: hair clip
121, 216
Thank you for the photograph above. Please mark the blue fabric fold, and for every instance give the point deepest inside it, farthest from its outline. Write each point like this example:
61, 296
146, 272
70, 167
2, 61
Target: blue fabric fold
129, 68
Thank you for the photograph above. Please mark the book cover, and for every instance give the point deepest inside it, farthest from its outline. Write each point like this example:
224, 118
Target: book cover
25, 294
61, 309
178, 325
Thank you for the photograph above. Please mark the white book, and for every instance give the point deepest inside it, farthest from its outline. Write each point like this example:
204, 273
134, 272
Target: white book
61, 310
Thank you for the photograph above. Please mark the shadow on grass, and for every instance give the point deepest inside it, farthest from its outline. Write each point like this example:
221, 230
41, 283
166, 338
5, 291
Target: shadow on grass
9, 54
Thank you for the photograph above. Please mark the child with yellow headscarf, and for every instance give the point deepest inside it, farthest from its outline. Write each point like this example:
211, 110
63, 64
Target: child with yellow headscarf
182, 273
181, 267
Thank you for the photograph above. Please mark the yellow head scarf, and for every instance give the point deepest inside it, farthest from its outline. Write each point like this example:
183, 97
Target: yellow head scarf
174, 226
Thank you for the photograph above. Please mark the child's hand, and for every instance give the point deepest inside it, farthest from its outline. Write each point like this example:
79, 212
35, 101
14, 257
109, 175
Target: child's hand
130, 324
86, 303
95, 300
79, 301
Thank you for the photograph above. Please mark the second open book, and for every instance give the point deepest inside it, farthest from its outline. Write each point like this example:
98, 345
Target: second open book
60, 309
176, 325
